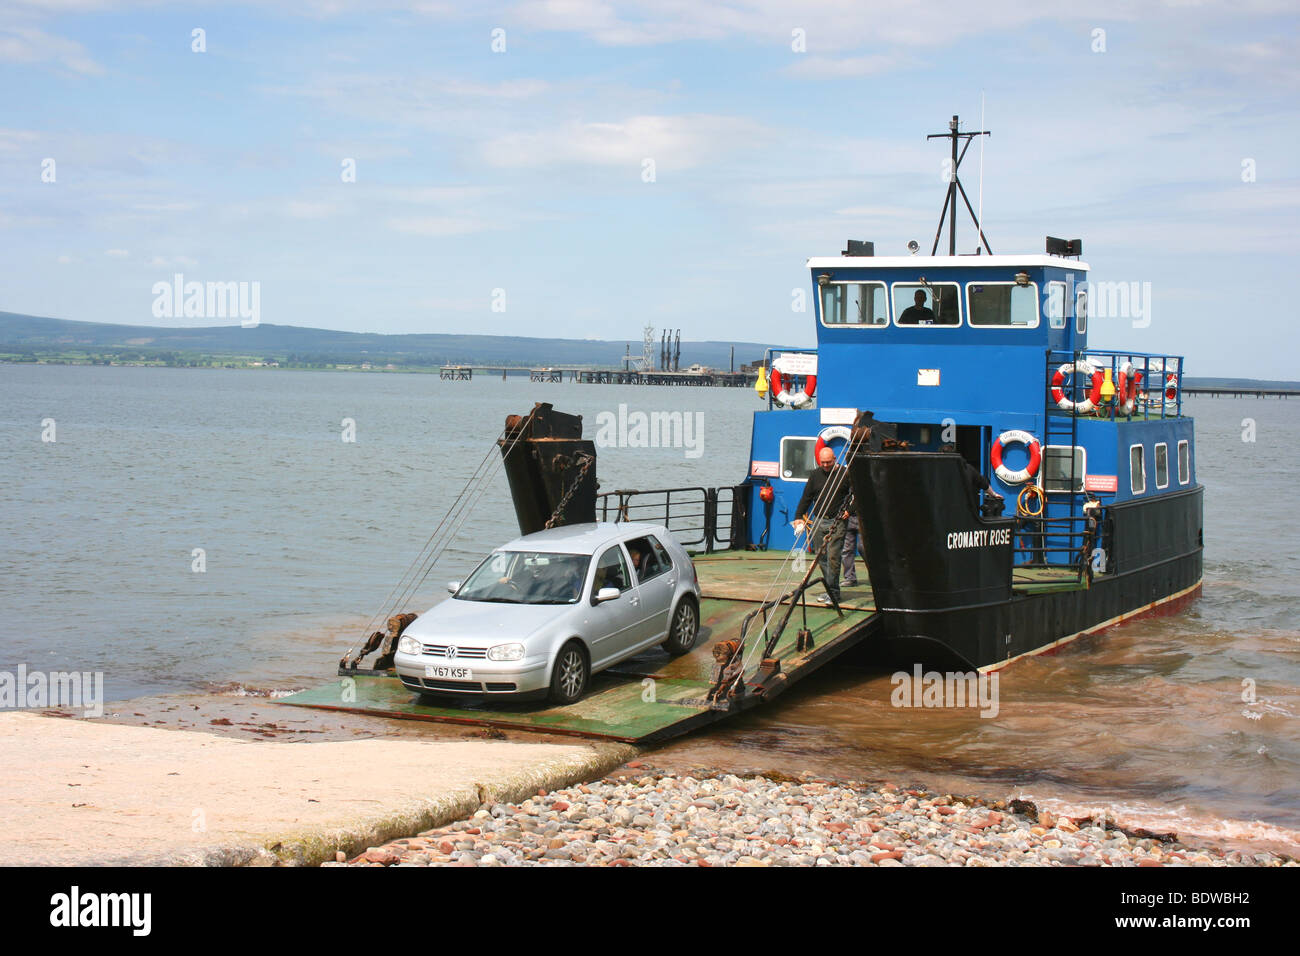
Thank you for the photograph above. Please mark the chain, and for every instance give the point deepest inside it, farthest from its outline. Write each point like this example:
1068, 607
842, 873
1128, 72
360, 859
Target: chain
582, 473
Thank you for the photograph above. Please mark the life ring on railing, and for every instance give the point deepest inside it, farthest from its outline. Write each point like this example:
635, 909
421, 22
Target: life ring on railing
827, 434
799, 399
1027, 492
1130, 379
1035, 457
1171, 389
1087, 369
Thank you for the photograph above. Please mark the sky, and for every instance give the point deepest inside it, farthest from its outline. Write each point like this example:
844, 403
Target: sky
580, 168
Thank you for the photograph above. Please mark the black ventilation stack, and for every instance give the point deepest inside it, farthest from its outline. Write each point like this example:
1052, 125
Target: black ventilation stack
545, 458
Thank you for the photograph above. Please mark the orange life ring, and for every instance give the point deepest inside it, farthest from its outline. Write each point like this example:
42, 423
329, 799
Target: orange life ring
1130, 379
1004, 473
1087, 369
799, 399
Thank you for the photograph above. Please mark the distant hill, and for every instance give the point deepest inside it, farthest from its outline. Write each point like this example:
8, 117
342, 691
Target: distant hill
28, 334
1195, 382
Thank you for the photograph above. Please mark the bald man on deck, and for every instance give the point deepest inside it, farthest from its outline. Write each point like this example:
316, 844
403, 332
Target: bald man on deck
824, 506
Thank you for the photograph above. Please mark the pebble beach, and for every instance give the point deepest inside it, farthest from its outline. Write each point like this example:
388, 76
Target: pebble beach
637, 816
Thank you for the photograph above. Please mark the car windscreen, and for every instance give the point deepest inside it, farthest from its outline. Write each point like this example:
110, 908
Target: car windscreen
527, 577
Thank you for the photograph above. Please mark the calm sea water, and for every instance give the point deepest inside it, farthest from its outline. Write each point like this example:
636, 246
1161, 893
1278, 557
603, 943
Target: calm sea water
303, 535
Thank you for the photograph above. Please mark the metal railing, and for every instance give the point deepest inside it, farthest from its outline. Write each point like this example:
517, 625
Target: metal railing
699, 518
1035, 539
1160, 385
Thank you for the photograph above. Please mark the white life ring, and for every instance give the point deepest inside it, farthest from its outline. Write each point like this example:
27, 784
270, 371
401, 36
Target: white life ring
1004, 473
1088, 370
800, 399
825, 436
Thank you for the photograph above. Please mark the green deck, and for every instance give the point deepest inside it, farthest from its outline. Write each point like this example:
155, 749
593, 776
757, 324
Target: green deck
620, 705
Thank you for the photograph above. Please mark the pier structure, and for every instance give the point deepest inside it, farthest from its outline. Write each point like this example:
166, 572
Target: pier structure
1240, 391
589, 375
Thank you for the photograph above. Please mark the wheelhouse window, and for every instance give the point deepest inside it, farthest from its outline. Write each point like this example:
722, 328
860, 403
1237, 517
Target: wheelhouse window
1054, 305
797, 458
1060, 466
1184, 462
1002, 304
855, 303
1162, 465
932, 303
1081, 311
1137, 470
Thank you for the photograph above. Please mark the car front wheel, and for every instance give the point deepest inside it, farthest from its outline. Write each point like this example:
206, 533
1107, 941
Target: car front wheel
570, 674
684, 628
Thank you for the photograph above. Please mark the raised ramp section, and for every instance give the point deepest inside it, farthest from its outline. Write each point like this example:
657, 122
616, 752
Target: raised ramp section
653, 696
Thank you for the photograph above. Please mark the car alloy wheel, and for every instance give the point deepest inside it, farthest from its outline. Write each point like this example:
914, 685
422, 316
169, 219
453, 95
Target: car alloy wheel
569, 675
683, 630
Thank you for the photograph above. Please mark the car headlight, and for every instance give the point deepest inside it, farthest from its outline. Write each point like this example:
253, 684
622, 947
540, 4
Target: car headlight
409, 645
506, 652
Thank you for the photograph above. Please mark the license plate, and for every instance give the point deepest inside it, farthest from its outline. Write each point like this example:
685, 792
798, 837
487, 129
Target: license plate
448, 673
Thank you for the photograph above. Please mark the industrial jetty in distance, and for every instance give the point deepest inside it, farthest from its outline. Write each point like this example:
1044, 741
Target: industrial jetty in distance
643, 369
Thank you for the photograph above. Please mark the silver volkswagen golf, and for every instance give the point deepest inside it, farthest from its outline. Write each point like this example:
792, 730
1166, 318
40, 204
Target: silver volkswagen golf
548, 610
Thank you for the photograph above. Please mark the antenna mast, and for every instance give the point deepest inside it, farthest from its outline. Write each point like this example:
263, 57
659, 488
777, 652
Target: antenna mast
955, 187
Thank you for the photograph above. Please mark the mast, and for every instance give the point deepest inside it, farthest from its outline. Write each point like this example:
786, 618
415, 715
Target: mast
954, 187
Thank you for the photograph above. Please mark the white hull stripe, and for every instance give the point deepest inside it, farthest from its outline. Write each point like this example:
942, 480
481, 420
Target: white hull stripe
989, 668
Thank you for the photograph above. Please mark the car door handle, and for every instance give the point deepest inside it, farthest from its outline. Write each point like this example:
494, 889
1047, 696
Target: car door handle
635, 602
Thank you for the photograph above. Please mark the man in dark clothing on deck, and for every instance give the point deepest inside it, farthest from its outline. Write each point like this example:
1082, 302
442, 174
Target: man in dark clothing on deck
824, 506
977, 481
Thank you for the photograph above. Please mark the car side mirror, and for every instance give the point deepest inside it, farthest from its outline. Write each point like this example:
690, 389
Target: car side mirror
453, 587
606, 594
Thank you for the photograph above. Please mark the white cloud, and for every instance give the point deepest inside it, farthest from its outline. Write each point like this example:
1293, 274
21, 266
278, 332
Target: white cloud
21, 44
116, 253
13, 140
821, 67
673, 142
437, 226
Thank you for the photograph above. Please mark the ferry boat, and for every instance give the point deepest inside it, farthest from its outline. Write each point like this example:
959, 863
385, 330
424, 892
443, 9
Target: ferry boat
1015, 488
983, 360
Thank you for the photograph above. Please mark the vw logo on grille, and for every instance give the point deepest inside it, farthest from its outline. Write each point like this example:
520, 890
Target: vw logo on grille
451, 650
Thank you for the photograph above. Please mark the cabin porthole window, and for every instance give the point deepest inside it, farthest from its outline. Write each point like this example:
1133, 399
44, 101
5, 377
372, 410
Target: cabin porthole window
1162, 465
1184, 462
1137, 469
797, 458
1056, 467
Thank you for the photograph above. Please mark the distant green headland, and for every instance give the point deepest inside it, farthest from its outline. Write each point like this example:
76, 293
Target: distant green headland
28, 338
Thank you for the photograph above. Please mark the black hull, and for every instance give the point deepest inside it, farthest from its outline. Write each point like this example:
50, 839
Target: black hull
954, 609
